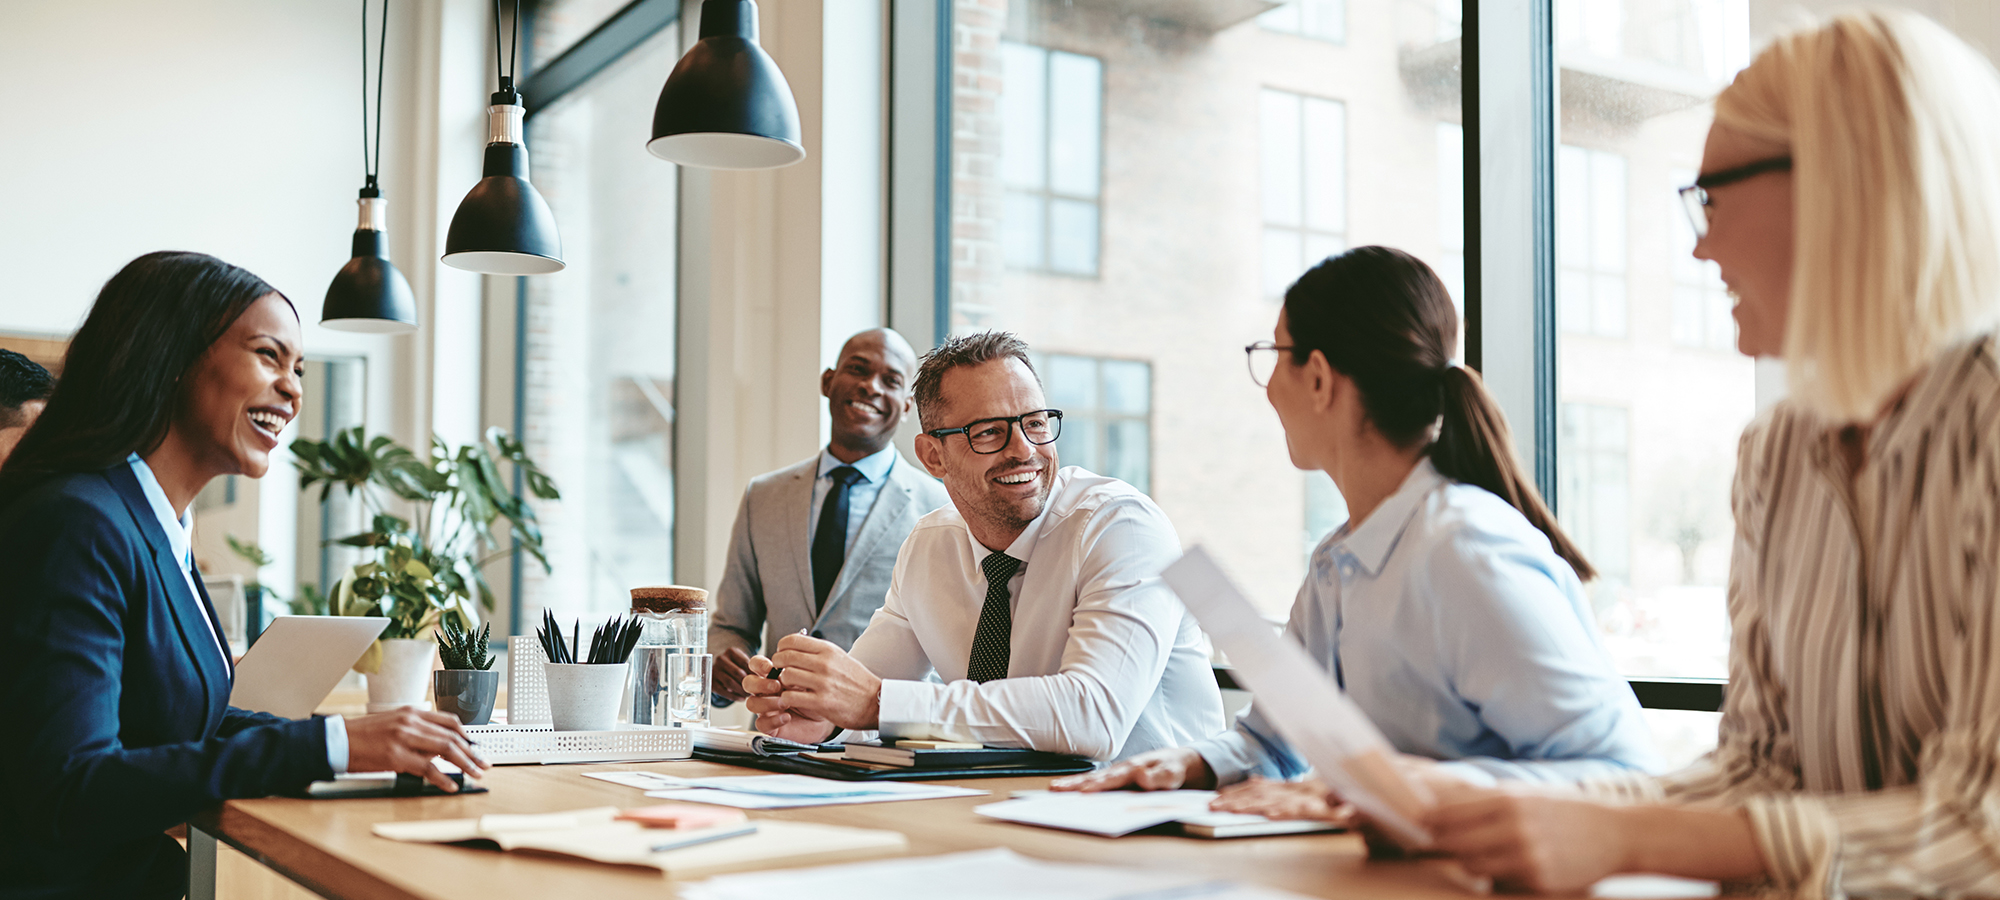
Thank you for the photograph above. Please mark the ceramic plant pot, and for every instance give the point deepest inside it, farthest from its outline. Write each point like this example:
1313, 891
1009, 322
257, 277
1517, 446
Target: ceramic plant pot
584, 697
466, 693
403, 675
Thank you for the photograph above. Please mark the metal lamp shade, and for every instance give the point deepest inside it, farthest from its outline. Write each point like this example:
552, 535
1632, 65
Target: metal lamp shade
503, 226
727, 105
369, 294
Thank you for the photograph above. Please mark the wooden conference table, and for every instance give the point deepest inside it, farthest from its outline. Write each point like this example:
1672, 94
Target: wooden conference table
326, 845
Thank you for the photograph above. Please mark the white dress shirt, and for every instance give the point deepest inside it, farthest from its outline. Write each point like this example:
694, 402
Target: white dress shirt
1105, 661
180, 540
874, 471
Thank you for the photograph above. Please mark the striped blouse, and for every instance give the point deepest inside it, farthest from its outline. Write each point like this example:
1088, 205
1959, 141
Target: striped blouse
1861, 730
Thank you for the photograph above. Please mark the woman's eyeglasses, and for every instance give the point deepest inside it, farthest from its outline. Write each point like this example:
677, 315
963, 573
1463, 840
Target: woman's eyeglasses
1694, 197
1263, 358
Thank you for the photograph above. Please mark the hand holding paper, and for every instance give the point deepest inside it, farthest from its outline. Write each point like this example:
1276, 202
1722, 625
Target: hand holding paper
1325, 727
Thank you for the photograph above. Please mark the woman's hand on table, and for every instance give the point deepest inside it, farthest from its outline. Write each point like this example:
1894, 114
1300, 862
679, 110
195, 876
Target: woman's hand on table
406, 741
1306, 799
1167, 769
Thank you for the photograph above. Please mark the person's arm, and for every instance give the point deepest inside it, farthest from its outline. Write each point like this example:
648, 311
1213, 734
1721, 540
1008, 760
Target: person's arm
737, 622
64, 669
1118, 640
1518, 649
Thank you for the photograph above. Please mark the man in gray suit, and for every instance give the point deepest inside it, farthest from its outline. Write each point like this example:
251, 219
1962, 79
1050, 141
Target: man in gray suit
815, 543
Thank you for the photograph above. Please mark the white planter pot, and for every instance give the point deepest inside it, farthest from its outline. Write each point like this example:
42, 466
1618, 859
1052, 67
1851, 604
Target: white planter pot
405, 675
584, 697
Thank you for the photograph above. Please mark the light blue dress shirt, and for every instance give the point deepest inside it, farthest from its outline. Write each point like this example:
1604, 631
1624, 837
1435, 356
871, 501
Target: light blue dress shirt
861, 494
180, 541
1451, 622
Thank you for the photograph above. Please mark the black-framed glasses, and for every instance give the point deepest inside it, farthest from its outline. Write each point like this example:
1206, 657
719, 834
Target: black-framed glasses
1263, 359
1694, 197
993, 435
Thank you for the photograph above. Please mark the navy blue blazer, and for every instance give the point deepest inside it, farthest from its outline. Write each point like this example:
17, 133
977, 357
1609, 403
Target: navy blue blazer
114, 699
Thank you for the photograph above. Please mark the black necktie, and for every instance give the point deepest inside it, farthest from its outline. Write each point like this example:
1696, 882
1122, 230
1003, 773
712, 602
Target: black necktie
829, 547
992, 644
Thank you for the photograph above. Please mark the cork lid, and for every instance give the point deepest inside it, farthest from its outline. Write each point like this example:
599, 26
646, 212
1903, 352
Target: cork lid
671, 598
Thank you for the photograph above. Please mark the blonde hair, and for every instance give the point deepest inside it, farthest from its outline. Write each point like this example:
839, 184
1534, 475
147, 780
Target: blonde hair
1894, 130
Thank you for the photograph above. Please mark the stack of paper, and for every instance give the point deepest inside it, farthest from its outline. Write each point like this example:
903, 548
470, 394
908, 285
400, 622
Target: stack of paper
978, 875
596, 834
1118, 813
777, 791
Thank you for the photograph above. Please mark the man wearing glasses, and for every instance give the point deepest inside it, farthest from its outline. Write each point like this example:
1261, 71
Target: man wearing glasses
1034, 598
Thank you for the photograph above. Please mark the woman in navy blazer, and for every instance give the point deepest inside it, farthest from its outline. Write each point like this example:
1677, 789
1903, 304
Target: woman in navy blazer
113, 668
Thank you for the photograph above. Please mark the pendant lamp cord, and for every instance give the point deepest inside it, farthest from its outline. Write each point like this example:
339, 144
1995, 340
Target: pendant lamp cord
371, 164
506, 75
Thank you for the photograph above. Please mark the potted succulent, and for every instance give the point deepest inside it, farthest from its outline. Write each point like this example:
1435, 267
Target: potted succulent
466, 686
420, 570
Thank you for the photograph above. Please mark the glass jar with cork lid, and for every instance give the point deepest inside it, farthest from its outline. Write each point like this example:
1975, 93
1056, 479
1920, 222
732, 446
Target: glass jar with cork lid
671, 668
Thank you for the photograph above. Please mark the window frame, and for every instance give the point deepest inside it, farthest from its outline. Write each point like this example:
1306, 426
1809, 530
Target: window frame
1508, 121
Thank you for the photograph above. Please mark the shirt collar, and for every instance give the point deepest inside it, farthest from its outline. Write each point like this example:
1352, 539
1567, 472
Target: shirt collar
177, 529
1370, 544
873, 467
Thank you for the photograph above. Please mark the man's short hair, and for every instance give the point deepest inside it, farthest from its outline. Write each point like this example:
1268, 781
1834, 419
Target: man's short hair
22, 380
967, 350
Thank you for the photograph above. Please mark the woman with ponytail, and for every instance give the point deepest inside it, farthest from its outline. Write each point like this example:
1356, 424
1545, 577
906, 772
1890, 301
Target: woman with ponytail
1449, 606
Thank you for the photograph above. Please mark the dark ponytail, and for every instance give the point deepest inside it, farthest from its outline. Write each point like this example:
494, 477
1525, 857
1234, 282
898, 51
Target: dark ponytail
1384, 319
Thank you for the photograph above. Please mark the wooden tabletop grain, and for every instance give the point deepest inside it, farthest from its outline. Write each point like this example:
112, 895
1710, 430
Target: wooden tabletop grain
326, 845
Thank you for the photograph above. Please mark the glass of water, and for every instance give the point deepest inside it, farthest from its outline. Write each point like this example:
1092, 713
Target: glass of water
688, 682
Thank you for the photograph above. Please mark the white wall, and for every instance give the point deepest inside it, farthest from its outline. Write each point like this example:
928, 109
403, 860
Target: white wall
232, 127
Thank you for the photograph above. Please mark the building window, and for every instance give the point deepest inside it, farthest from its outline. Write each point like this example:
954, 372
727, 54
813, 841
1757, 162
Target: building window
1304, 148
1107, 409
1590, 242
1325, 20
1051, 158
1595, 489
1701, 301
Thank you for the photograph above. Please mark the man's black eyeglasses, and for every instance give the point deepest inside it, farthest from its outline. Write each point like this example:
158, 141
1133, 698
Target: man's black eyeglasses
1694, 197
993, 435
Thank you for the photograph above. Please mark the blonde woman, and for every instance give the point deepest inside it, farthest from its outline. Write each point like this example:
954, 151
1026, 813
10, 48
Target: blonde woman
1849, 191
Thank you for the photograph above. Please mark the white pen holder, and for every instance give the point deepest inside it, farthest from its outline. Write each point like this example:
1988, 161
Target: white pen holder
584, 697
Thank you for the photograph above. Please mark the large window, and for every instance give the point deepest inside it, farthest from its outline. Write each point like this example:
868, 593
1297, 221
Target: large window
598, 372
1051, 157
1218, 160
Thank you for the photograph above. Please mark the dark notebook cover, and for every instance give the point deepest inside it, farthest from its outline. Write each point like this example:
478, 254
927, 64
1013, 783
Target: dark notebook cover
1043, 764
965, 759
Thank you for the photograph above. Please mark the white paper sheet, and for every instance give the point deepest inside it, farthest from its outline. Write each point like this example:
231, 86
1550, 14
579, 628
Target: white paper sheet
1309, 711
977, 875
1109, 814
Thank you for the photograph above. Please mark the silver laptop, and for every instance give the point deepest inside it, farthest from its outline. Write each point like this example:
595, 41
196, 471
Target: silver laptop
297, 661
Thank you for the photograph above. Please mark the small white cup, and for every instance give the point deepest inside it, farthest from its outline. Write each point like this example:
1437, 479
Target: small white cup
584, 697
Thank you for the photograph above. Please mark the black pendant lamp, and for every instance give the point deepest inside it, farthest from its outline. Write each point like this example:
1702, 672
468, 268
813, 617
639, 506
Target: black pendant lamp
369, 294
726, 105
503, 226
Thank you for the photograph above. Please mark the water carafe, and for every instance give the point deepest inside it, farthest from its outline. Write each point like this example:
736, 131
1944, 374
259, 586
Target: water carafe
671, 667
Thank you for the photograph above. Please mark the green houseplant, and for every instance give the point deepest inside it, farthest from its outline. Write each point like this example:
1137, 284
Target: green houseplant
420, 570
467, 685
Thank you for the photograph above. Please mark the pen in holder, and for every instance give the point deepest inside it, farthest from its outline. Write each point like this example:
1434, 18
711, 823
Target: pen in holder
584, 689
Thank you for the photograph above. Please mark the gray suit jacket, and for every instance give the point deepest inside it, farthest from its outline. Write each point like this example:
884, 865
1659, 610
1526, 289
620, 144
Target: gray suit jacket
768, 579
